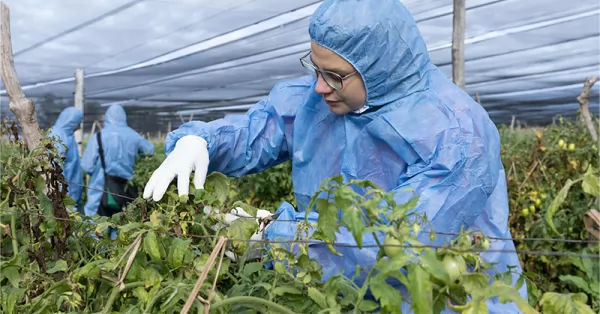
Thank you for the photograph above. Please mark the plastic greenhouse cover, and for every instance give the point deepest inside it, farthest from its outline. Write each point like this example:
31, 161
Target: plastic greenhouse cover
527, 58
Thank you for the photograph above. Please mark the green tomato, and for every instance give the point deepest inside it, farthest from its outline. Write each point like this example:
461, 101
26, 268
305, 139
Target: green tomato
464, 240
432, 236
404, 231
455, 266
571, 146
525, 212
485, 244
391, 246
416, 228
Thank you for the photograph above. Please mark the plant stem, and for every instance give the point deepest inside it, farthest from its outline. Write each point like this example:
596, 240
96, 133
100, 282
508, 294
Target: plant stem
247, 299
34, 272
363, 289
156, 298
448, 294
115, 293
43, 295
13, 232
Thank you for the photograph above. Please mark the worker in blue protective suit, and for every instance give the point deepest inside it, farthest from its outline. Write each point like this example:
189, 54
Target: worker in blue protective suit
121, 145
67, 123
376, 108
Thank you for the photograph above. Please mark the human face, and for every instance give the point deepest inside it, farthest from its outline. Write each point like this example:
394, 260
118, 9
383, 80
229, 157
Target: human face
337, 80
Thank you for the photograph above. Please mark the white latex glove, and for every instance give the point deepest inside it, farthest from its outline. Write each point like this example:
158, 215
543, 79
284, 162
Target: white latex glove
254, 250
190, 154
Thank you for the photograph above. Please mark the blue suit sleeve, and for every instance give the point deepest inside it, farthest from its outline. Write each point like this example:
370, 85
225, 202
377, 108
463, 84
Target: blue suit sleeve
90, 155
454, 181
252, 143
146, 147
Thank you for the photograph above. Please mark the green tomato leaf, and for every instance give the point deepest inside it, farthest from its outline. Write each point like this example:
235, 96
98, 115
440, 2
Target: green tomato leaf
577, 282
12, 274
283, 290
556, 203
90, 270
59, 266
101, 227
13, 298
279, 268
507, 293
568, 303
591, 184
252, 268
177, 252
352, 217
368, 306
317, 297
389, 297
151, 276
475, 284
251, 210
327, 223
419, 288
151, 246
239, 231
217, 184
40, 185
156, 219
434, 266
69, 201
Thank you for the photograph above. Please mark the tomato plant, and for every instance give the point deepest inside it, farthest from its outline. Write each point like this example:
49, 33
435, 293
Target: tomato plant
55, 261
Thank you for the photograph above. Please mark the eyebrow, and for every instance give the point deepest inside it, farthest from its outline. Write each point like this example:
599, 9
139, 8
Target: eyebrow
335, 70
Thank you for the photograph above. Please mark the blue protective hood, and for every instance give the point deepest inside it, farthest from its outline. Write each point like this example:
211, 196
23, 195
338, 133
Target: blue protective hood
115, 115
68, 119
380, 39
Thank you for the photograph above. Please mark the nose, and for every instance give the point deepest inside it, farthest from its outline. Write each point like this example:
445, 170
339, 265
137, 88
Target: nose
322, 87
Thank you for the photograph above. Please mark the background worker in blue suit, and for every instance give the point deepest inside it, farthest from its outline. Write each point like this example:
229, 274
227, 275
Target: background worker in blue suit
376, 108
67, 123
121, 145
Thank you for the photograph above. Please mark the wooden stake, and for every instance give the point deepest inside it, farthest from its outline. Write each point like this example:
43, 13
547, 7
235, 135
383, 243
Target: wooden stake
477, 98
79, 105
23, 108
458, 43
583, 100
207, 267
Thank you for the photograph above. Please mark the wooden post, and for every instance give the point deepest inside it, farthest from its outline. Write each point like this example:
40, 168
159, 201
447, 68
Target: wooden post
512, 122
79, 105
477, 98
169, 127
458, 43
23, 108
191, 117
584, 104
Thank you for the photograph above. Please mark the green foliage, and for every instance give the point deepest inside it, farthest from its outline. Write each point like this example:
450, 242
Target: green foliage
552, 177
54, 261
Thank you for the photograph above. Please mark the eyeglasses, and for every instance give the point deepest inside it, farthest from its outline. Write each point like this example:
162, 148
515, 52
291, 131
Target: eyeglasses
332, 79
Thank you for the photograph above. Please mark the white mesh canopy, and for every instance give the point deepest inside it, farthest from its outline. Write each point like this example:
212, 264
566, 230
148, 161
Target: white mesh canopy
527, 58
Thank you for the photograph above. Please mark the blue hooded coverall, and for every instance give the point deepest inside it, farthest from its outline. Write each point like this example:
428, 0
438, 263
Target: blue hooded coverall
63, 129
121, 145
421, 131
